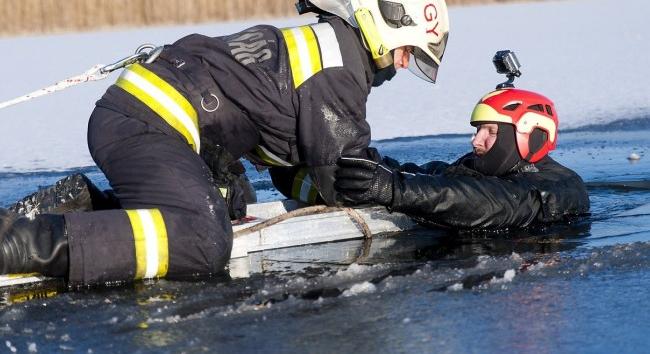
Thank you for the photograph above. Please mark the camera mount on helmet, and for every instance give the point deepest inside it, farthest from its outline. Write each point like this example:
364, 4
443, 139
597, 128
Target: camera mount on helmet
506, 62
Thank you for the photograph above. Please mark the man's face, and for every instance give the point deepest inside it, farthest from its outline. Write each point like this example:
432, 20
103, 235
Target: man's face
402, 57
485, 137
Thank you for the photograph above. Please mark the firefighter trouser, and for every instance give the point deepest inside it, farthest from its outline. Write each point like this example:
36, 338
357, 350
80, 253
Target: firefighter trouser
173, 221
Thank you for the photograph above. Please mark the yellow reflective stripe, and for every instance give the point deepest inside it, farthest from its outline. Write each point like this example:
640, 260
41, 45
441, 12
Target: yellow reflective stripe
303, 188
140, 247
269, 158
169, 90
151, 244
18, 276
163, 246
157, 107
304, 53
313, 194
163, 99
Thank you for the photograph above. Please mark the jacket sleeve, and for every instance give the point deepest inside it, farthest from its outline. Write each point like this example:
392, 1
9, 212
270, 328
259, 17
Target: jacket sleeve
462, 201
331, 124
295, 183
430, 168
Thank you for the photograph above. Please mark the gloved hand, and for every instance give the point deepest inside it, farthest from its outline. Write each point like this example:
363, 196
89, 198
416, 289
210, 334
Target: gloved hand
363, 181
230, 179
236, 189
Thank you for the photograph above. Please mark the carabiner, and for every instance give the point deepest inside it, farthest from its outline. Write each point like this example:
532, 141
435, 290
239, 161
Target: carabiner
144, 53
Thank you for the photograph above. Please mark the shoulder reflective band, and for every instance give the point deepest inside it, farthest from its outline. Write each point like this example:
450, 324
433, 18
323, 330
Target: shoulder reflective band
311, 49
303, 188
329, 46
163, 99
151, 249
270, 158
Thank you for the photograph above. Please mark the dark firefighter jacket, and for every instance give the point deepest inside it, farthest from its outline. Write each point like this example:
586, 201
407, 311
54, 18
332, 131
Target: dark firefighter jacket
280, 97
456, 196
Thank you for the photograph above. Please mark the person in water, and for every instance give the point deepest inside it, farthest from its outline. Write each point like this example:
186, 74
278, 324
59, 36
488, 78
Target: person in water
507, 181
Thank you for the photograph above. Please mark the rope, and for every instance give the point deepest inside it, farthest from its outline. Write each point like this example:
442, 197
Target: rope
145, 53
93, 74
313, 210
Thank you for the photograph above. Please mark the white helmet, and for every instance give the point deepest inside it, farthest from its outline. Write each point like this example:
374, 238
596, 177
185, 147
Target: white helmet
390, 24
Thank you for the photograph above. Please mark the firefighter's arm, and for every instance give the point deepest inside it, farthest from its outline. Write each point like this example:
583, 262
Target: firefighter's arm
331, 123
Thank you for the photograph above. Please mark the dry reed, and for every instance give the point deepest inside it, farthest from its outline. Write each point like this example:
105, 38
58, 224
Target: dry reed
47, 16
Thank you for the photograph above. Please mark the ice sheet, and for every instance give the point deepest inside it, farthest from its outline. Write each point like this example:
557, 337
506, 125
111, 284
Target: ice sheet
588, 56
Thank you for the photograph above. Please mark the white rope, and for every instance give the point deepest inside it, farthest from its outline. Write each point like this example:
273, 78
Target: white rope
93, 74
145, 53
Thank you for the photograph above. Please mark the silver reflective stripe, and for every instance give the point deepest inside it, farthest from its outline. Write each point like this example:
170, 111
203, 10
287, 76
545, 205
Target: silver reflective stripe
273, 157
329, 46
151, 243
306, 188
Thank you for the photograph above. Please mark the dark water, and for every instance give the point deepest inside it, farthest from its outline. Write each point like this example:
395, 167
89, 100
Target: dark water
570, 288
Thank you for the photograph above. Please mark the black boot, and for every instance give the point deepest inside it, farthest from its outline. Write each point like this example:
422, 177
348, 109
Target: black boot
33, 246
72, 194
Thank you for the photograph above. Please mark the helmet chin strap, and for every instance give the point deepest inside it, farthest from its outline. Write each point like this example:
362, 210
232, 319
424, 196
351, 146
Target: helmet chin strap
383, 75
381, 54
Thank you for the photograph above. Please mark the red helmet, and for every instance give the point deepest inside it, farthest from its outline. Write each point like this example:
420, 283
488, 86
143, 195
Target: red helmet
525, 110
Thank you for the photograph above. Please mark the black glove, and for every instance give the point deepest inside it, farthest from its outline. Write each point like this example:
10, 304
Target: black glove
408, 167
363, 181
236, 189
230, 179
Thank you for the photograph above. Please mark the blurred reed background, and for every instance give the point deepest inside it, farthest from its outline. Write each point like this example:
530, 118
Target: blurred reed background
47, 16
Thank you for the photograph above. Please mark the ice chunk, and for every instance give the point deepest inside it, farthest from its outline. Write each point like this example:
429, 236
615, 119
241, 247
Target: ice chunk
507, 277
634, 157
361, 288
31, 347
11, 347
455, 287
353, 270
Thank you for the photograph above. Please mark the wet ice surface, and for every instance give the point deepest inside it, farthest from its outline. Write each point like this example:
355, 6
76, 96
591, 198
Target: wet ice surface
575, 288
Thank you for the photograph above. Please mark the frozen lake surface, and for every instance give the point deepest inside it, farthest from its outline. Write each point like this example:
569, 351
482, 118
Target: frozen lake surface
573, 288
569, 288
589, 56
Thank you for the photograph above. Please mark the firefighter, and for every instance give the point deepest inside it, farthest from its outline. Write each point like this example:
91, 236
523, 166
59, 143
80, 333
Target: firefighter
170, 129
507, 181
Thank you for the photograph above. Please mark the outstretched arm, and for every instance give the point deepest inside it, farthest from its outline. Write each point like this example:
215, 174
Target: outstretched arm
455, 201
466, 201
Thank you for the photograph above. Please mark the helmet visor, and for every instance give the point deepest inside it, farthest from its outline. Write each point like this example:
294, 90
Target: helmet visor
423, 66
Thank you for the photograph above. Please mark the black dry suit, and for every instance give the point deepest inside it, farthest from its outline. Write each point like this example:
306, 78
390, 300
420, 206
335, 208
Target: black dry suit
164, 132
457, 196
